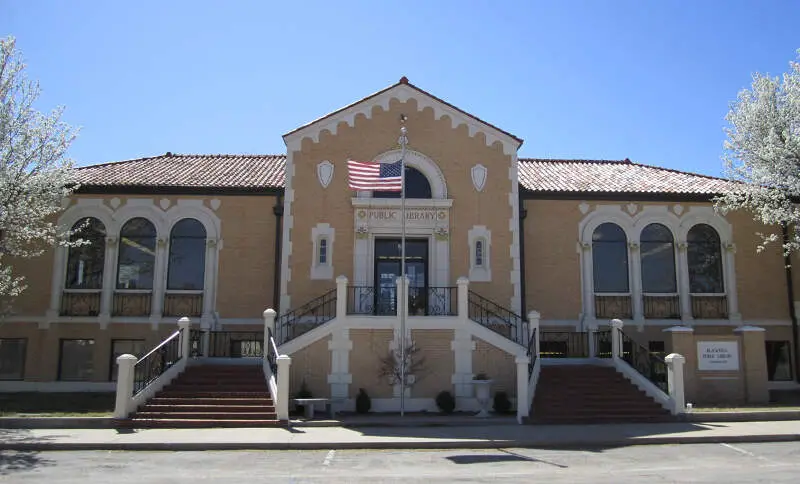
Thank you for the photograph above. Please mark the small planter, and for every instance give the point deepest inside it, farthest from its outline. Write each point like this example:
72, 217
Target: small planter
483, 392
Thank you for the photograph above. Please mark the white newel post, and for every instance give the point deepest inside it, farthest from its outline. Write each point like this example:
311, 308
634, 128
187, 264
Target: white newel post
533, 325
269, 327
675, 380
616, 338
341, 297
124, 385
185, 324
463, 297
522, 387
282, 405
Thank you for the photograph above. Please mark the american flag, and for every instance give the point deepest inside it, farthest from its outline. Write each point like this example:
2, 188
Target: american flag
374, 176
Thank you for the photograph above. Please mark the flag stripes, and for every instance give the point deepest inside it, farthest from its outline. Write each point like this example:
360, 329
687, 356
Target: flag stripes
374, 176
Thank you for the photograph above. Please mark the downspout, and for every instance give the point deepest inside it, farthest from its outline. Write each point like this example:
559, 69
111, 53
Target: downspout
523, 213
787, 263
277, 210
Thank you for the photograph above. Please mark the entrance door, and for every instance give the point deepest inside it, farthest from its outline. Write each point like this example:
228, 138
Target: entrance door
387, 270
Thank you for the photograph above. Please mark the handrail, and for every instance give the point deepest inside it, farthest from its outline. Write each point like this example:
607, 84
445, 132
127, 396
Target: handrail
564, 344
314, 313
533, 355
488, 313
235, 344
643, 361
157, 361
602, 344
272, 354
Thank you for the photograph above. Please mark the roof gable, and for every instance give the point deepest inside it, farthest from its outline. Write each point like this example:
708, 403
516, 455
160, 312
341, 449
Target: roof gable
402, 91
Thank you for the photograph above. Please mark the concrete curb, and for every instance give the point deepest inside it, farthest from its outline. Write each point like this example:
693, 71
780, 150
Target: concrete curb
393, 445
56, 422
765, 416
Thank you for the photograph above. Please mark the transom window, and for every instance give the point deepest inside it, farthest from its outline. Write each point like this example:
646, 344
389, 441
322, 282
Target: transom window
705, 260
610, 259
137, 254
416, 186
187, 256
85, 262
658, 260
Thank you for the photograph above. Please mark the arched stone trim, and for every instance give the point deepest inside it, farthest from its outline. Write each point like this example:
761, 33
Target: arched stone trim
705, 215
145, 208
613, 214
655, 215
89, 208
425, 165
186, 209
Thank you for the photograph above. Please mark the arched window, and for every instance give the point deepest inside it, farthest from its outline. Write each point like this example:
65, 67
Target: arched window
705, 260
187, 256
137, 254
658, 260
610, 259
417, 186
85, 262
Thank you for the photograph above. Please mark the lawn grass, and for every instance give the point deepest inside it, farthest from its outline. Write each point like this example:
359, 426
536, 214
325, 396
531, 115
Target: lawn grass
39, 404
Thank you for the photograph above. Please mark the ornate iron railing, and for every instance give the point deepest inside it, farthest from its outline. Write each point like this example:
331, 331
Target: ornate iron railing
497, 318
433, 301
609, 306
563, 344
661, 306
235, 344
299, 321
533, 355
132, 303
195, 343
709, 307
366, 300
272, 354
157, 361
183, 304
602, 344
646, 363
80, 303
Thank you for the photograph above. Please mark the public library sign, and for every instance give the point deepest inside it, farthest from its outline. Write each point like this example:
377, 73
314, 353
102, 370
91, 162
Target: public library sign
718, 356
430, 218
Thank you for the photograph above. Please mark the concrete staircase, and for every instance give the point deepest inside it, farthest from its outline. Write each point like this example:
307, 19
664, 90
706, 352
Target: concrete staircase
587, 394
207, 396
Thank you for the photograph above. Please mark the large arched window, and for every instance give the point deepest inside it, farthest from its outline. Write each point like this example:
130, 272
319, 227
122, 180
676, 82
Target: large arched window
137, 254
417, 186
658, 260
85, 262
187, 256
610, 259
705, 260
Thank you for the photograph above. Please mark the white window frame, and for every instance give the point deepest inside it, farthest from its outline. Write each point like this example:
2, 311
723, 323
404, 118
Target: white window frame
322, 232
483, 272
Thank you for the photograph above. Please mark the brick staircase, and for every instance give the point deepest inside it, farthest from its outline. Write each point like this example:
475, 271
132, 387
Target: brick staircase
585, 394
208, 396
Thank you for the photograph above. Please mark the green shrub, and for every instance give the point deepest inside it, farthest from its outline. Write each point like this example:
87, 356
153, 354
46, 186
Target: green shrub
445, 402
363, 402
501, 403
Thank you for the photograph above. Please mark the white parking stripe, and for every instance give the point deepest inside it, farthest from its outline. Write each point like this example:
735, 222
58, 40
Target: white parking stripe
329, 458
748, 453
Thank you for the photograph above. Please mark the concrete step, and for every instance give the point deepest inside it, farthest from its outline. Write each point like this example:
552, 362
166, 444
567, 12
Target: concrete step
216, 408
217, 415
196, 423
191, 400
215, 388
211, 394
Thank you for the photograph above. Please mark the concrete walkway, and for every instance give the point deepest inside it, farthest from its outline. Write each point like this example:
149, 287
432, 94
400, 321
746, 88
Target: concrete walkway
406, 437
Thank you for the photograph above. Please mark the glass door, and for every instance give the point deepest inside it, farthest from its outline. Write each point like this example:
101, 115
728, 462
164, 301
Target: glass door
387, 270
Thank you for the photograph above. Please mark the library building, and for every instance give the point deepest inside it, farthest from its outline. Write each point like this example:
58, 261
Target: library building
228, 289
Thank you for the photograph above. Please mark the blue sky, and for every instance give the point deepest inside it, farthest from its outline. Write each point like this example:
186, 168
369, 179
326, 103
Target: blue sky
647, 80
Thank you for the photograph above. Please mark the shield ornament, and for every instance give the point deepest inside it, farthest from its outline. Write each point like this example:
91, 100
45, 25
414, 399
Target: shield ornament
325, 173
479, 176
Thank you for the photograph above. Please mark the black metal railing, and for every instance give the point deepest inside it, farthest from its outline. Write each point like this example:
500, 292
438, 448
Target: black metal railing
646, 363
83, 303
661, 306
602, 344
433, 301
366, 300
195, 342
612, 306
497, 318
157, 361
299, 321
272, 354
533, 355
235, 344
709, 307
564, 344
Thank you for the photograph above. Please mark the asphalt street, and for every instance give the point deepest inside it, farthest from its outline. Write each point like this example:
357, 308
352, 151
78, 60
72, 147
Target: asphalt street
729, 463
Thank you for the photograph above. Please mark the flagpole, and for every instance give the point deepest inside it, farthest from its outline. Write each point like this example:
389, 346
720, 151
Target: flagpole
403, 306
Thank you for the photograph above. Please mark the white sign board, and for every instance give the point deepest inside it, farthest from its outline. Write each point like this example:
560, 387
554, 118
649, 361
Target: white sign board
717, 355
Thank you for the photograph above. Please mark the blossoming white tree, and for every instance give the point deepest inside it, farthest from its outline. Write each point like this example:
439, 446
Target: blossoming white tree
762, 150
34, 171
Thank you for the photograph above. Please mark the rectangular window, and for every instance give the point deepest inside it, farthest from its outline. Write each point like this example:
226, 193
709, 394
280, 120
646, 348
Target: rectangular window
479, 253
75, 362
779, 360
121, 347
323, 251
12, 358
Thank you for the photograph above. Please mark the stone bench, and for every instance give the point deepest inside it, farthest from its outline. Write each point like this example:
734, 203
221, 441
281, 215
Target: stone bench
309, 404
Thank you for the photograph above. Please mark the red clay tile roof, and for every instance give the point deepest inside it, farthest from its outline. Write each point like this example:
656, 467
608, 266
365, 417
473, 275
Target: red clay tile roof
196, 171
605, 176
255, 172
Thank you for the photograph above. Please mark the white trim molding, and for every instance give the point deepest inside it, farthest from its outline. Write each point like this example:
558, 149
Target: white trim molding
482, 272
322, 238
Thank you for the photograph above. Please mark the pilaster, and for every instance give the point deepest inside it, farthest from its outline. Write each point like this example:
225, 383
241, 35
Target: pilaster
462, 346
340, 377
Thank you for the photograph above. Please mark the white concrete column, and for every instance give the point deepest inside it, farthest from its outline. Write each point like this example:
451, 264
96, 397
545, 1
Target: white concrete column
57, 282
588, 280
463, 298
282, 405
340, 377
269, 324
209, 278
616, 338
534, 318
675, 363
462, 346
341, 297
635, 262
159, 280
185, 325
683, 283
109, 278
122, 406
730, 282
523, 407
